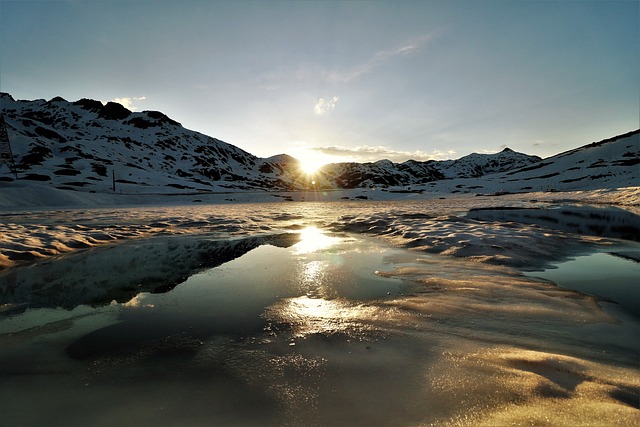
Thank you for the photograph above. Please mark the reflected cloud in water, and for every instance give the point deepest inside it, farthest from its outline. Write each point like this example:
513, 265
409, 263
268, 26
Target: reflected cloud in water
136, 302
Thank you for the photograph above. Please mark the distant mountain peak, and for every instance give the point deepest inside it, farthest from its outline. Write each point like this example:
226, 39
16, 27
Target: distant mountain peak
57, 99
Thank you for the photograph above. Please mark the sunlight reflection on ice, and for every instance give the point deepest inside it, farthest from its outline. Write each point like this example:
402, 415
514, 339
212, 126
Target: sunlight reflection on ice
312, 273
320, 316
313, 239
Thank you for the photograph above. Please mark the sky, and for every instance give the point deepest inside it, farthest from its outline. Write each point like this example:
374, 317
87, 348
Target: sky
342, 80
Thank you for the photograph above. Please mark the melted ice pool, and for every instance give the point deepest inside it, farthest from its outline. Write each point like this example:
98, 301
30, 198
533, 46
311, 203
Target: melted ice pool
611, 277
309, 329
316, 284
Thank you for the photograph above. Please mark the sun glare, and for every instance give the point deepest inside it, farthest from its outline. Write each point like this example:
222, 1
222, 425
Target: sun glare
310, 161
310, 165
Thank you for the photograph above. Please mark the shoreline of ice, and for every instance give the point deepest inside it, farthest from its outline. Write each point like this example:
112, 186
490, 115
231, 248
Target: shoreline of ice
17, 196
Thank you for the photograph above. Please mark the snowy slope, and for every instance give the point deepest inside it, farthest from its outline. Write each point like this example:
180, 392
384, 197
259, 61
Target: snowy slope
607, 164
613, 162
475, 165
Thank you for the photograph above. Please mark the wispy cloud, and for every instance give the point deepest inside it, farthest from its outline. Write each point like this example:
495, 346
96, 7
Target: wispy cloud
493, 151
381, 57
368, 153
313, 72
129, 103
325, 105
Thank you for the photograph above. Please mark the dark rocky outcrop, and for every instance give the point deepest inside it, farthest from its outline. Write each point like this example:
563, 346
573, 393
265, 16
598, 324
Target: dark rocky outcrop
114, 111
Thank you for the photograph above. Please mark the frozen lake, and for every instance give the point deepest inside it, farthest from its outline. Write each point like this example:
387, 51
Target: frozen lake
313, 314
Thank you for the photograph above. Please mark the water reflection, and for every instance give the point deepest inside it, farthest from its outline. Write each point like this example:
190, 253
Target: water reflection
138, 301
605, 221
312, 273
283, 337
308, 316
154, 265
312, 239
312, 292
604, 275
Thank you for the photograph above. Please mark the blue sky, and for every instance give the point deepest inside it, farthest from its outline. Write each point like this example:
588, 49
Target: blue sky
361, 80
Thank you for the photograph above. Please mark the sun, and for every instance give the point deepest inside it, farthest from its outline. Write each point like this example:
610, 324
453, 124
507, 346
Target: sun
309, 161
310, 165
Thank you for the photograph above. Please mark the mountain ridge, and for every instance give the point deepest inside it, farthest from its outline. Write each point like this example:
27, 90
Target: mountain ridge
91, 146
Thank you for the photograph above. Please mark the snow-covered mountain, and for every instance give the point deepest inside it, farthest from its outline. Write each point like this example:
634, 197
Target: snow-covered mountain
386, 173
607, 164
475, 165
613, 162
87, 145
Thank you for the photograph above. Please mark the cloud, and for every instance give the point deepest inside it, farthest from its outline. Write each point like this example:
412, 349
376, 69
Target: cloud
368, 153
381, 57
128, 103
313, 72
324, 106
494, 151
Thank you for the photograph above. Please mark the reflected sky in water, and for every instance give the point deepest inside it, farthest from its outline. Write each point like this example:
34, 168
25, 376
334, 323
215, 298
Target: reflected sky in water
613, 278
314, 286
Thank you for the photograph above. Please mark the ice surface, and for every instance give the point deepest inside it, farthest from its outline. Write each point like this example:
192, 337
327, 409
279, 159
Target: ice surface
286, 314
37, 232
